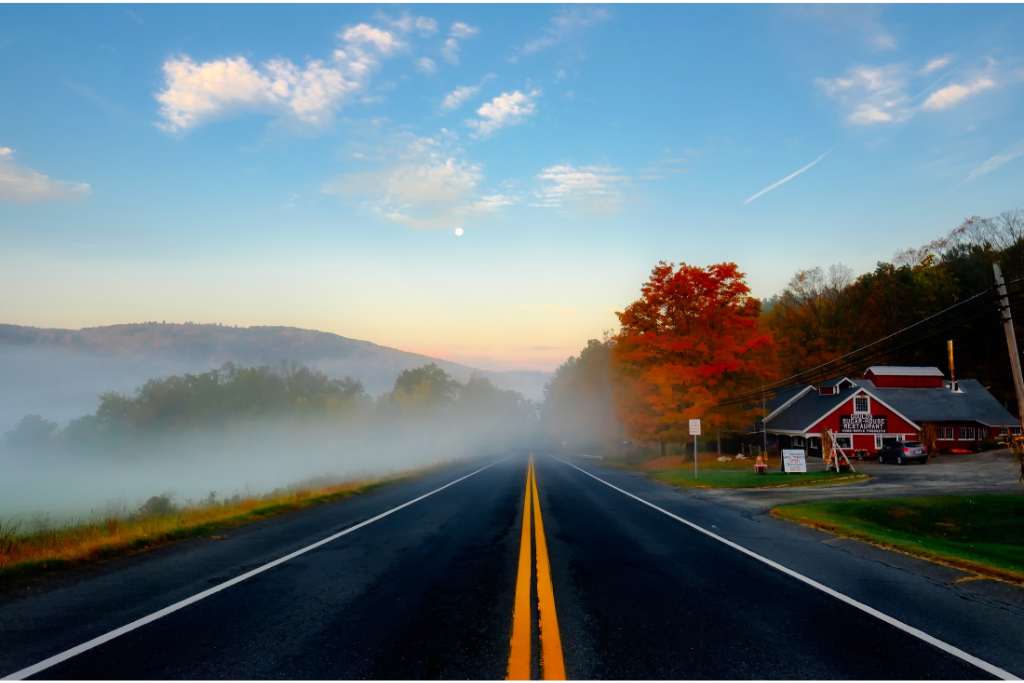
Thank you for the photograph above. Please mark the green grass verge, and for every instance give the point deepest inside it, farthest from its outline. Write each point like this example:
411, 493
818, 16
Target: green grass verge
746, 479
981, 533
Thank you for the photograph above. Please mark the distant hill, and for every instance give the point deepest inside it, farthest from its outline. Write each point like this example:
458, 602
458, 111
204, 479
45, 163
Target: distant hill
59, 373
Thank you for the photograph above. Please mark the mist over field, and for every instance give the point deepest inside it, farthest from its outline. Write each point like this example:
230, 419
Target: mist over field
243, 432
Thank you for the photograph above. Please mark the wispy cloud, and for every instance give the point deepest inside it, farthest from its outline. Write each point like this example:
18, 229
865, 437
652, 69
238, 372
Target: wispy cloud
953, 94
594, 189
459, 96
997, 161
426, 65
936, 64
565, 24
23, 185
880, 94
507, 109
196, 92
421, 182
782, 181
458, 32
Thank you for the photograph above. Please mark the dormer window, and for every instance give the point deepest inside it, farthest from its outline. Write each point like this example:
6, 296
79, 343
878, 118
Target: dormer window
861, 405
825, 391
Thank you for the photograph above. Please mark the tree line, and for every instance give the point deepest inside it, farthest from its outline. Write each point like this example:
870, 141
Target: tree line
232, 394
695, 343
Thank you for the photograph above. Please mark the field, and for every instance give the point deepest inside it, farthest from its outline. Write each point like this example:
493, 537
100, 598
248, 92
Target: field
159, 522
982, 533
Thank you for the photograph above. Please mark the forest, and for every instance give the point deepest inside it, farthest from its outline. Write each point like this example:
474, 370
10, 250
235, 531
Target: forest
696, 343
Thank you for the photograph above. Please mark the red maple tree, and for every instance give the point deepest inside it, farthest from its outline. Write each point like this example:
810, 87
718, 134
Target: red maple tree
690, 342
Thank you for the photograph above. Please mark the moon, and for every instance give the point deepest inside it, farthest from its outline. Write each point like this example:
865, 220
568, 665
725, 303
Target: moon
459, 232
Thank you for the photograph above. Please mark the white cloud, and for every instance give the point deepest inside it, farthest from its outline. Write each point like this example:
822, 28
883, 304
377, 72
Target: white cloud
871, 95
21, 184
458, 31
507, 109
594, 188
936, 64
997, 161
426, 65
783, 181
563, 25
407, 23
953, 94
364, 34
421, 183
195, 93
462, 30
456, 98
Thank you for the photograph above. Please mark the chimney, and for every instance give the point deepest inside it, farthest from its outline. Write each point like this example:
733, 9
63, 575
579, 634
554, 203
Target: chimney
953, 386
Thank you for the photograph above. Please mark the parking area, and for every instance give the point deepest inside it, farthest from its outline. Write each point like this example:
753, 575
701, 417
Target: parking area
989, 471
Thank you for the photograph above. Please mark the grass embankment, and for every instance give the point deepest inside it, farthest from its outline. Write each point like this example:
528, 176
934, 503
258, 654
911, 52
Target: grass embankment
737, 474
28, 552
980, 533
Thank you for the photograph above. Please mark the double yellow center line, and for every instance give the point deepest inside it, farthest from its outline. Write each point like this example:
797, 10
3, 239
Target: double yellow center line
552, 664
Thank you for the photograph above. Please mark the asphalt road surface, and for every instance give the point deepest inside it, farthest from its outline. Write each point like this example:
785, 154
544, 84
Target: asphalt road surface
495, 566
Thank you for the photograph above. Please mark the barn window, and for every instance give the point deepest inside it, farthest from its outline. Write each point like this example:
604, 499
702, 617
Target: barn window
844, 442
798, 441
878, 440
861, 404
946, 433
967, 433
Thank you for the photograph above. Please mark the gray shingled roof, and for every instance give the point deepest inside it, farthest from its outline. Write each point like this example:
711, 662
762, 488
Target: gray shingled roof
808, 409
972, 404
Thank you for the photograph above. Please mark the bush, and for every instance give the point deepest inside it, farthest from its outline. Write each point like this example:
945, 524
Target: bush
158, 506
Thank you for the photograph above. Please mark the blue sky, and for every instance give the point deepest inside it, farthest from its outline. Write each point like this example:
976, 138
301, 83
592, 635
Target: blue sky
311, 165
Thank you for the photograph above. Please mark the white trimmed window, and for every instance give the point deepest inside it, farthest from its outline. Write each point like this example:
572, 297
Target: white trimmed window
861, 404
844, 441
967, 433
878, 440
946, 433
798, 441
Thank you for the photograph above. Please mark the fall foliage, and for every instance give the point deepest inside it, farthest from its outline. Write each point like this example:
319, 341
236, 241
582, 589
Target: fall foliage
692, 340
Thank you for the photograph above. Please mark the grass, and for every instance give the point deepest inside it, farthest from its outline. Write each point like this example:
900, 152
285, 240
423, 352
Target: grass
736, 474
981, 533
28, 552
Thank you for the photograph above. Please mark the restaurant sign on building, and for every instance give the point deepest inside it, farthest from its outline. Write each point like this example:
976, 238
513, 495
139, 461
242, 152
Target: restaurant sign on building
863, 424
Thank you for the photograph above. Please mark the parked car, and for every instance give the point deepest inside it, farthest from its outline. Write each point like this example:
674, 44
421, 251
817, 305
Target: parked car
903, 452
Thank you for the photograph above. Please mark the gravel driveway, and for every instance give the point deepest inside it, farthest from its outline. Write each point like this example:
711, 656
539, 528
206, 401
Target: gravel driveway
988, 472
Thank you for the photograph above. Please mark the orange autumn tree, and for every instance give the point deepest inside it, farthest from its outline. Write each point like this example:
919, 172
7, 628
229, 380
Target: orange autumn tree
691, 341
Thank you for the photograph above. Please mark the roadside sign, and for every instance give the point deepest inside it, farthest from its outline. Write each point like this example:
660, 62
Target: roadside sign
695, 427
794, 460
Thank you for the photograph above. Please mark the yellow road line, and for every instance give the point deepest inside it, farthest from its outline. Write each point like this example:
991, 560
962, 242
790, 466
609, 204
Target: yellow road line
519, 653
552, 662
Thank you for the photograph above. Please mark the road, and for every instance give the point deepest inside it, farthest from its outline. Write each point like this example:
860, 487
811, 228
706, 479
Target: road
611, 576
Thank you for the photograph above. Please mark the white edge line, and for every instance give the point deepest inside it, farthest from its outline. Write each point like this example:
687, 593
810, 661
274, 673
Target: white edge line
892, 621
181, 604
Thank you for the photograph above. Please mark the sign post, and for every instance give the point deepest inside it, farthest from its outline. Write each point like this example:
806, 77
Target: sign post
695, 432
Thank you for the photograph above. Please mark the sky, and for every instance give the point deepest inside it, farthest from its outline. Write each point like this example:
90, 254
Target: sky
486, 184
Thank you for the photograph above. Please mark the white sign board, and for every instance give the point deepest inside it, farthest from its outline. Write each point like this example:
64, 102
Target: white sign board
794, 460
695, 427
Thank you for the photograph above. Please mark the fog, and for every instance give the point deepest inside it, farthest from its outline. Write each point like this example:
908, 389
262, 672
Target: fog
43, 486
175, 437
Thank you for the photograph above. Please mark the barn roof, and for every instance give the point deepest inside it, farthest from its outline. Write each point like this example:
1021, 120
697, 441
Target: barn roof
973, 403
904, 371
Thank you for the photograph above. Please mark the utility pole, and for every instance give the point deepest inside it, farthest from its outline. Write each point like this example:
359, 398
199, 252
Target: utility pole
1011, 340
764, 426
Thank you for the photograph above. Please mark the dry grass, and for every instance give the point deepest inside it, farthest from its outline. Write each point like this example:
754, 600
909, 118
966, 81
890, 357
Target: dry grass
707, 461
24, 551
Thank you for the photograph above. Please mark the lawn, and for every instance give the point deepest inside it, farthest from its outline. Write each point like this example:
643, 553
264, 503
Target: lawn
736, 474
983, 533
747, 479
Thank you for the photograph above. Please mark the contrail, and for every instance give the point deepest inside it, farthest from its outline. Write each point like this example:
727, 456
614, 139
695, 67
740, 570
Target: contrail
785, 180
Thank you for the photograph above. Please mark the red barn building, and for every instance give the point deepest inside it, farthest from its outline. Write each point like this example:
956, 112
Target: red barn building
891, 403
